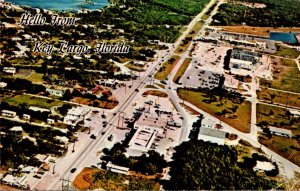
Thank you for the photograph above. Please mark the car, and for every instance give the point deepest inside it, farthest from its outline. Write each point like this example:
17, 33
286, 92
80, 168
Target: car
37, 176
103, 116
73, 170
104, 122
52, 160
93, 136
103, 133
137, 90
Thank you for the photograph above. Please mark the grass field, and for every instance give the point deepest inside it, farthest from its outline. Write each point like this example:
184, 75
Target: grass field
276, 116
155, 93
241, 122
269, 95
166, 68
100, 179
32, 101
182, 69
194, 31
162, 86
283, 146
135, 68
287, 52
286, 76
151, 86
259, 31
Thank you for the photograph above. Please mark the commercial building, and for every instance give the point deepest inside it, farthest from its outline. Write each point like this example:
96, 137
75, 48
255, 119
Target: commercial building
9, 70
75, 115
212, 135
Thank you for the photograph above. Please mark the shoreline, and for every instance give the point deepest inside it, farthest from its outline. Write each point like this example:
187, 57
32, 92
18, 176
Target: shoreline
78, 10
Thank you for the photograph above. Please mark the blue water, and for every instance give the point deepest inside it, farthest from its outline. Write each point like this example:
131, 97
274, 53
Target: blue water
284, 37
62, 5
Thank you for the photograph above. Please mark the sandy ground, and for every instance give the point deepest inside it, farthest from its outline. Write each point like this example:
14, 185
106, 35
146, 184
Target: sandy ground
258, 31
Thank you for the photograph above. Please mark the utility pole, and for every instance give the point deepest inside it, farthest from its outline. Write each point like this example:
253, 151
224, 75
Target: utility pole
73, 148
53, 170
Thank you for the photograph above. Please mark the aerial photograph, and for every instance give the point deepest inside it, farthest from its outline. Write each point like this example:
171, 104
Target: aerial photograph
149, 95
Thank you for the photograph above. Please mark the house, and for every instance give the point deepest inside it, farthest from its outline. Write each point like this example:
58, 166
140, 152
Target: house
10, 70
58, 93
26, 116
62, 139
295, 113
16, 133
280, 131
212, 135
3, 85
33, 108
7, 113
117, 169
139, 63
50, 121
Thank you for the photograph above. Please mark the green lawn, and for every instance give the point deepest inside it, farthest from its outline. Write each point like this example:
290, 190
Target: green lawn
283, 146
32, 101
182, 70
274, 96
287, 52
276, 116
242, 114
166, 68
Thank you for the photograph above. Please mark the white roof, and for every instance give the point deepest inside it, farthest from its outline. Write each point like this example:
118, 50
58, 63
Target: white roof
116, 167
294, 112
33, 108
77, 111
280, 130
7, 111
16, 128
206, 138
263, 165
62, 139
3, 84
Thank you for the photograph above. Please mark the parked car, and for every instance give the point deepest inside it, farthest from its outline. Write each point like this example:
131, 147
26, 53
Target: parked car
73, 170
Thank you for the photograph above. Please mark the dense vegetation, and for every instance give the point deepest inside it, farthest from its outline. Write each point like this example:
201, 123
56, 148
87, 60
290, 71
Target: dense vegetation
151, 163
277, 13
200, 165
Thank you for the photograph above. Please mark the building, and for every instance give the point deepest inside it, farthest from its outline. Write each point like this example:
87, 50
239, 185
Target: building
3, 85
50, 121
58, 93
26, 116
33, 108
212, 135
280, 131
62, 139
117, 169
7, 113
208, 123
144, 137
19, 182
139, 63
75, 115
9, 70
295, 113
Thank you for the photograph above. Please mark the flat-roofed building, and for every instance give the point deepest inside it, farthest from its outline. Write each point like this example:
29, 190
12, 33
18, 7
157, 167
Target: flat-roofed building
144, 137
295, 113
212, 135
280, 131
117, 169
7, 113
10, 70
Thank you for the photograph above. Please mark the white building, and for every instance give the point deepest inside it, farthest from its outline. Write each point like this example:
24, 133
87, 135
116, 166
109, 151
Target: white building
58, 93
33, 108
208, 123
26, 116
50, 121
212, 135
8, 113
10, 70
280, 131
75, 115
117, 169
20, 182
3, 85
144, 137
295, 113
62, 139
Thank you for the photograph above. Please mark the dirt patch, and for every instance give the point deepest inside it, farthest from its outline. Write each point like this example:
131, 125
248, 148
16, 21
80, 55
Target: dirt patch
257, 31
82, 182
155, 93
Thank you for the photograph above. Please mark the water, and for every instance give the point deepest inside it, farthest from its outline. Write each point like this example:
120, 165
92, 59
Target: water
284, 37
62, 5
